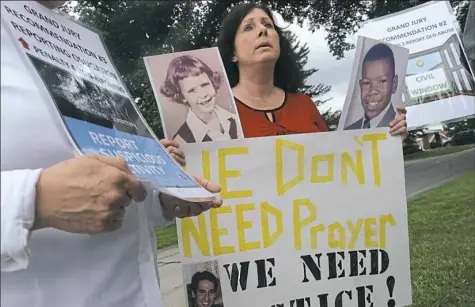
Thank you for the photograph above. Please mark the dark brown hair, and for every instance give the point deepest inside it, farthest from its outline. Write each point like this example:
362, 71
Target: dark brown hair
287, 72
381, 52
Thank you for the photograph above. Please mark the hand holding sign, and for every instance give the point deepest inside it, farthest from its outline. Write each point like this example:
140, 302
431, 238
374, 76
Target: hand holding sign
87, 194
399, 125
181, 208
173, 148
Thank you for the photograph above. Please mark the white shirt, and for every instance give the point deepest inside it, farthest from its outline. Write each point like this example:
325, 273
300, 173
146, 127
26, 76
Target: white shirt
199, 129
374, 122
52, 268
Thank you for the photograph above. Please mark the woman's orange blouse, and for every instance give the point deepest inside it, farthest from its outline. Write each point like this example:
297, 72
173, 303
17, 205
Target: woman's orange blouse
297, 114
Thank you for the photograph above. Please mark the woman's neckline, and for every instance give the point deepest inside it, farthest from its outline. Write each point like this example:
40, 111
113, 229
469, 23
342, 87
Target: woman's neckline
263, 110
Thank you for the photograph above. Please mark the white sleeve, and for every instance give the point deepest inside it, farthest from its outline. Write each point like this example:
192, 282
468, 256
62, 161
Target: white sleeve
18, 215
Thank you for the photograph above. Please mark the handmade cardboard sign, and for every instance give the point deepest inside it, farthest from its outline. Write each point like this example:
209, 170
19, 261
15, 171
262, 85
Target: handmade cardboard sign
310, 220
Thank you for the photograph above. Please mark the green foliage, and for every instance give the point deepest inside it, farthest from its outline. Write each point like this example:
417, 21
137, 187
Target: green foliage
135, 29
462, 125
302, 53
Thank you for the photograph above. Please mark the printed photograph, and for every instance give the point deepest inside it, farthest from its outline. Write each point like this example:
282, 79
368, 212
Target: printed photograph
438, 73
202, 284
83, 100
376, 85
193, 95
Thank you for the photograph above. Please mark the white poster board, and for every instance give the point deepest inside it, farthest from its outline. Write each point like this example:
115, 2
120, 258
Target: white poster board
74, 71
376, 85
301, 225
440, 86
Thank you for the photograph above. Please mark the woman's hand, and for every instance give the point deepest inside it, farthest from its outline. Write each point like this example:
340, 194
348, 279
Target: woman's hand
173, 148
399, 125
180, 208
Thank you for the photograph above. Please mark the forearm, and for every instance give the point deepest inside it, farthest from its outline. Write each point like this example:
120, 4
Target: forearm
18, 216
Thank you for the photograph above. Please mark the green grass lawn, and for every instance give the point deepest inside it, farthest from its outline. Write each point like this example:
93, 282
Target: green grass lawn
442, 242
442, 238
166, 237
437, 152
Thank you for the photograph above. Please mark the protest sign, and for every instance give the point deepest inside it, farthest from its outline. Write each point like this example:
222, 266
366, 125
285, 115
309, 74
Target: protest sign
73, 70
440, 85
376, 85
193, 95
309, 220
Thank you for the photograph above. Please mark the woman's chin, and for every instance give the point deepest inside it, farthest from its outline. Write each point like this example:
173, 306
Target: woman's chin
267, 58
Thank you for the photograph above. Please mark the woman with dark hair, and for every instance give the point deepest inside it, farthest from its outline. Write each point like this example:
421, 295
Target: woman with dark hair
265, 77
194, 84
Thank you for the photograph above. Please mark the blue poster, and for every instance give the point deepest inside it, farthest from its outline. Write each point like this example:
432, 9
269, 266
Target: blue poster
104, 122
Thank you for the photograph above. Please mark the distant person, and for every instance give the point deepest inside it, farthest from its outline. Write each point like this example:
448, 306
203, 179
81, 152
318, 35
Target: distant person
204, 288
266, 78
378, 83
192, 83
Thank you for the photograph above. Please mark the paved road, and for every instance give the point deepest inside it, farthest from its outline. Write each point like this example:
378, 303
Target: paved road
426, 174
421, 176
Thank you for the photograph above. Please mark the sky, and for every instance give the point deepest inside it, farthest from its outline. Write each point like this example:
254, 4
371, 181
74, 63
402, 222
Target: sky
319, 57
331, 72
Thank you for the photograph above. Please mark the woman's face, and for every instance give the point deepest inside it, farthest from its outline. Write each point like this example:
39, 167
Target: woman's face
199, 93
205, 294
256, 39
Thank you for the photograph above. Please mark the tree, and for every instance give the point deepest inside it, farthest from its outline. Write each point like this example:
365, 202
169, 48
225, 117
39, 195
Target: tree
462, 125
342, 18
132, 30
332, 119
302, 52
410, 144
135, 29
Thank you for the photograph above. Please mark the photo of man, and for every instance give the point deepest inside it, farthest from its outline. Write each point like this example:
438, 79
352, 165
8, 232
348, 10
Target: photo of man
378, 84
203, 287
204, 290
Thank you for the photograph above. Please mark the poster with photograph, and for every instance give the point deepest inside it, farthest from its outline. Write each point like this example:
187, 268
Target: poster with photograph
73, 70
194, 98
300, 225
439, 83
376, 85
202, 284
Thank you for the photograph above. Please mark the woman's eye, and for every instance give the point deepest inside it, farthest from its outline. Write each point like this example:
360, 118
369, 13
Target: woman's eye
247, 28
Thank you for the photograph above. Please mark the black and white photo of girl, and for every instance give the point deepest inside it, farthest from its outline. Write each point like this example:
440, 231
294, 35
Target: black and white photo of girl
192, 85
